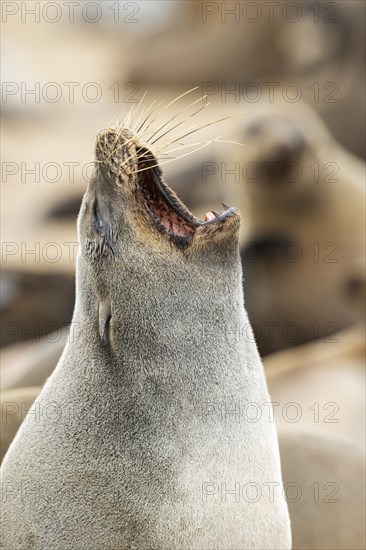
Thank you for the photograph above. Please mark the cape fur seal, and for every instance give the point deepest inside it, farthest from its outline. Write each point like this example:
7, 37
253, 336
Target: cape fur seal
303, 249
139, 460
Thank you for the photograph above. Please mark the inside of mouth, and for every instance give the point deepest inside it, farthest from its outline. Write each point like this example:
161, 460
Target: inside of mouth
168, 213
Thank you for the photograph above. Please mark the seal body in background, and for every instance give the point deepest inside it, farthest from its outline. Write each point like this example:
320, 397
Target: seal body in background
134, 444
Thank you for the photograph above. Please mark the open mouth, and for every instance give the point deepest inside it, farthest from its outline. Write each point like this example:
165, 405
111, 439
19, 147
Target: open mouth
168, 213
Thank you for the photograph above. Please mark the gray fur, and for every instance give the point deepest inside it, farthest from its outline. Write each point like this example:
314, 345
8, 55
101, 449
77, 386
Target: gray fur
134, 444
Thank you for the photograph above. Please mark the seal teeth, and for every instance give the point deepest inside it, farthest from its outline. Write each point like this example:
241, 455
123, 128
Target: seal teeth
226, 206
215, 213
209, 217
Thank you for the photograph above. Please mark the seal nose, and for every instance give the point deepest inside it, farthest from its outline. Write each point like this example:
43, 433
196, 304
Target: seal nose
111, 144
104, 144
115, 155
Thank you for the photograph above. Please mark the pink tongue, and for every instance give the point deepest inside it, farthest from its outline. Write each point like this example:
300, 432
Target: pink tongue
209, 216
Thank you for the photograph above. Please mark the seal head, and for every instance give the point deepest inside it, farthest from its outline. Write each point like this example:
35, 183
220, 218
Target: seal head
128, 193
132, 226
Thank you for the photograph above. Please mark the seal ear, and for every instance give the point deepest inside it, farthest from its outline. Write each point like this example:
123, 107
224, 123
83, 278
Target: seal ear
104, 319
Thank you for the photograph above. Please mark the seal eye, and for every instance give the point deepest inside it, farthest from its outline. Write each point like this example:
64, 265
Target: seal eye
97, 222
101, 224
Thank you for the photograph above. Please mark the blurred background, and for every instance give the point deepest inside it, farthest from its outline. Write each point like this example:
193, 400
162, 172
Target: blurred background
293, 163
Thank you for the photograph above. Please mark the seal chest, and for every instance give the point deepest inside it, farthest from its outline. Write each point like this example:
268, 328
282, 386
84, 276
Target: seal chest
143, 449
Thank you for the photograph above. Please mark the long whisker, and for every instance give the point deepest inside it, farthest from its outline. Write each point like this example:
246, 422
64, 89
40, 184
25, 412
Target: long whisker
179, 124
175, 116
139, 157
127, 122
113, 122
167, 143
206, 126
149, 115
146, 129
182, 95
139, 135
132, 139
120, 129
147, 110
188, 145
137, 109
141, 114
233, 142
176, 158
172, 102
129, 141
